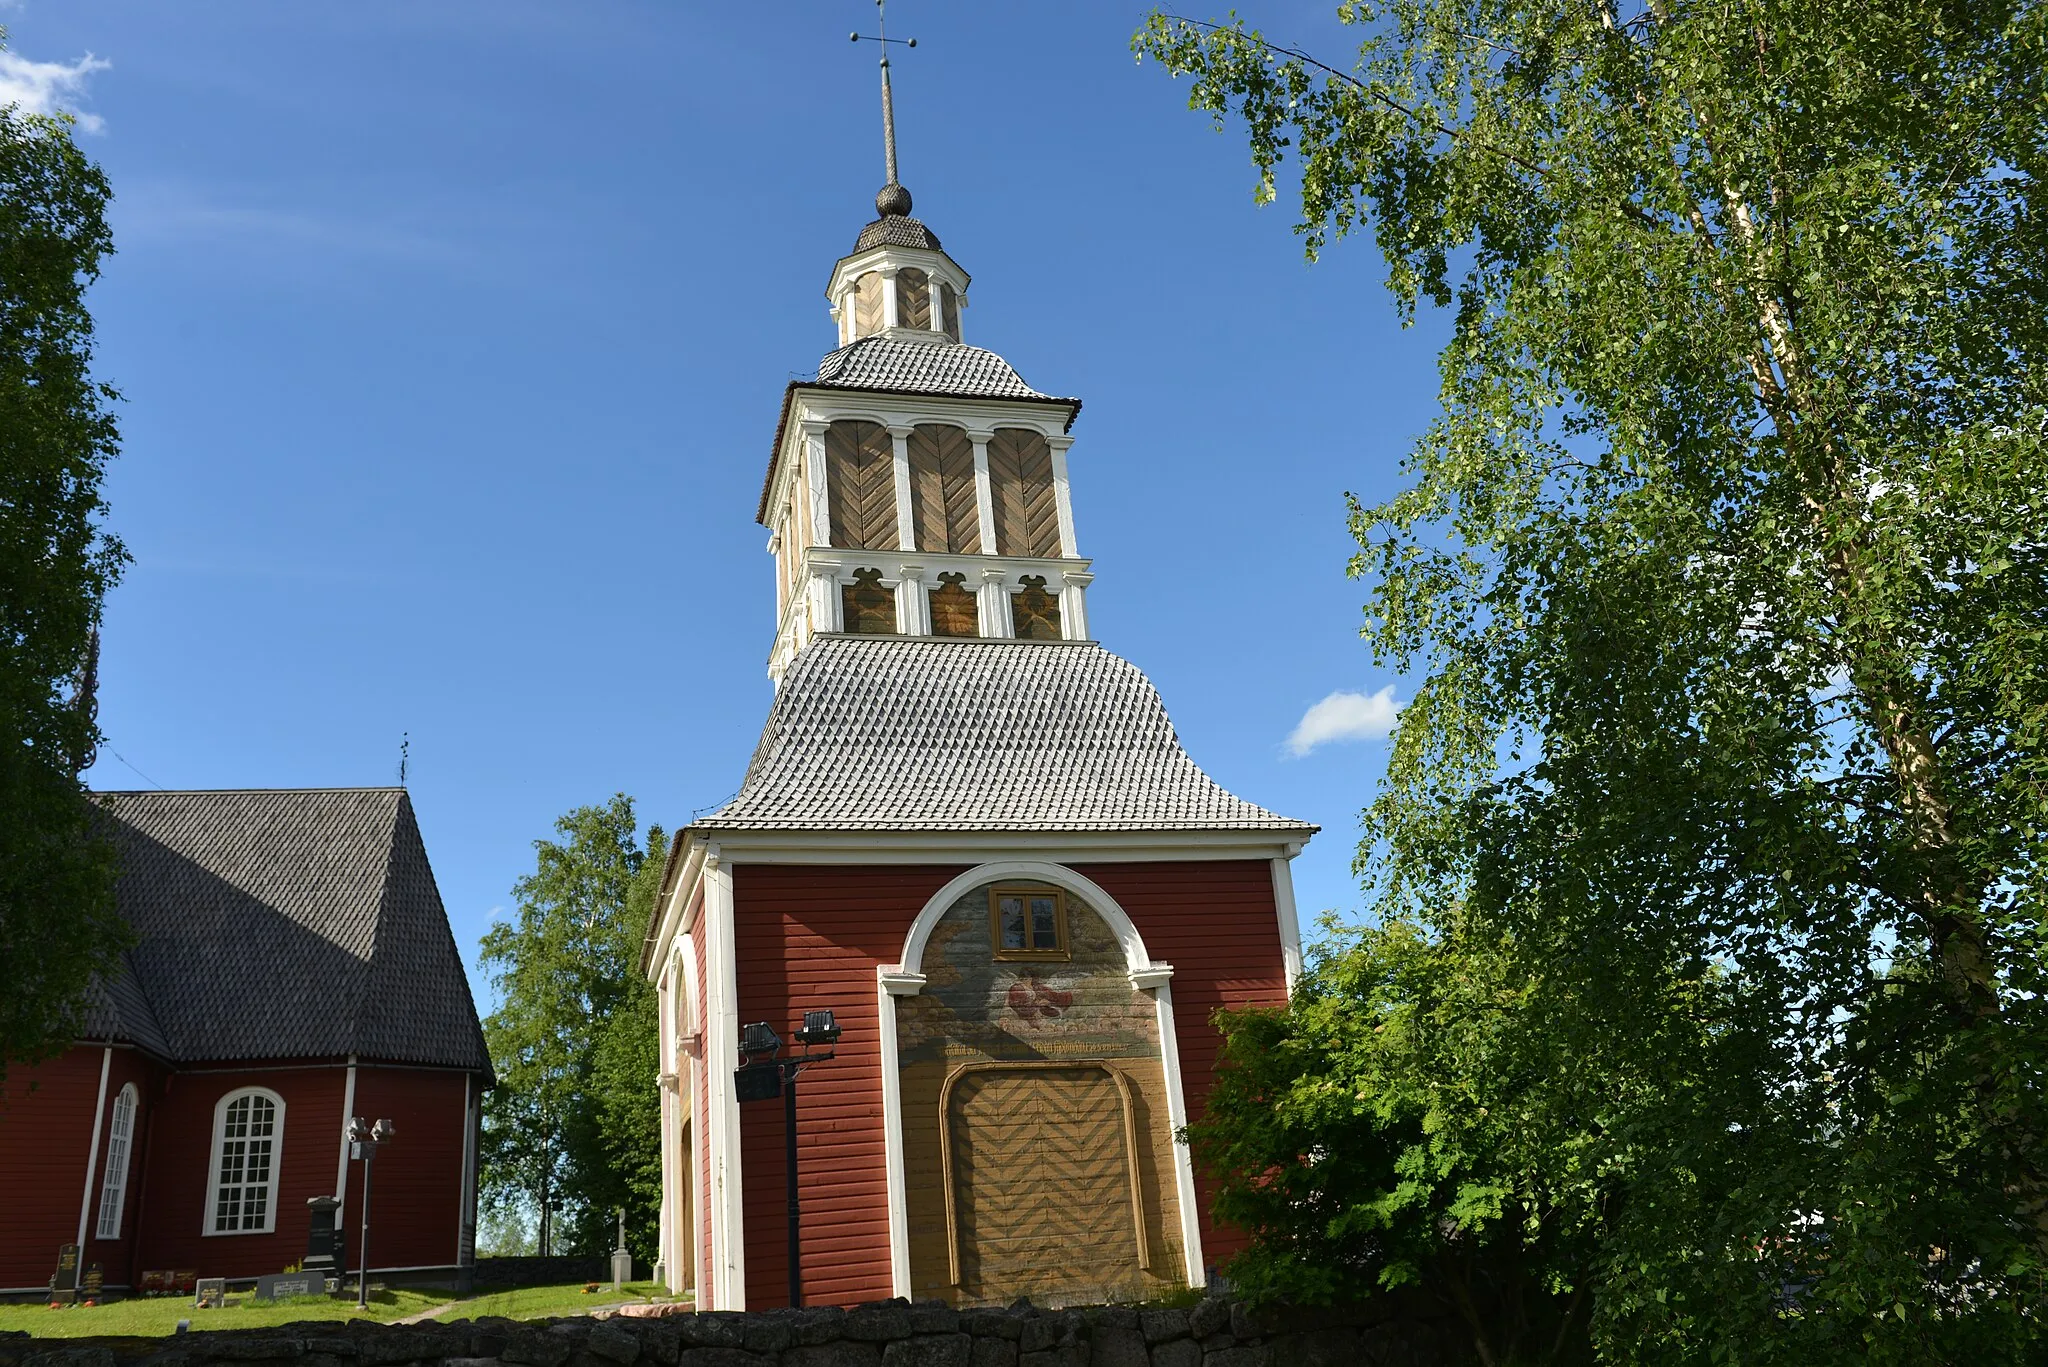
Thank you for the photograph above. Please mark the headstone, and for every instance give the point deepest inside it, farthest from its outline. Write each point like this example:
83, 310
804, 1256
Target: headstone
95, 1280
154, 1283
212, 1293
64, 1281
282, 1284
184, 1280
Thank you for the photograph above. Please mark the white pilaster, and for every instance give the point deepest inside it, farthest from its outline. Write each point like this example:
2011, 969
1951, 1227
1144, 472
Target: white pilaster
889, 986
826, 606
913, 609
993, 604
1290, 923
722, 1049
906, 533
1177, 1119
1061, 495
889, 296
1074, 604
984, 492
814, 478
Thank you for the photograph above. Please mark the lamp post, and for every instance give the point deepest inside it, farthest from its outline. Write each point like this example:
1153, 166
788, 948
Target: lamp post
758, 1078
364, 1139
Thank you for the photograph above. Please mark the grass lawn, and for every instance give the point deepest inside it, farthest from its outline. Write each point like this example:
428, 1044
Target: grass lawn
160, 1314
540, 1302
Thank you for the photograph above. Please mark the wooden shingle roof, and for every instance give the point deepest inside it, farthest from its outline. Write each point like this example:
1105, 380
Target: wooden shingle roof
283, 923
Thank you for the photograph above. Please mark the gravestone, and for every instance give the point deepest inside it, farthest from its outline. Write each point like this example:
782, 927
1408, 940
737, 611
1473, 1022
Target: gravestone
212, 1293
95, 1280
323, 1237
280, 1284
64, 1281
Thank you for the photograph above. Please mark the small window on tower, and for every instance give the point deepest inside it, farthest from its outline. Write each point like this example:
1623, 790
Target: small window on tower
953, 607
1028, 922
869, 608
1034, 612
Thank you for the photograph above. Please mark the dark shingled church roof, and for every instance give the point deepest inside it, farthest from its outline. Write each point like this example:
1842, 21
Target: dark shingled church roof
283, 923
891, 733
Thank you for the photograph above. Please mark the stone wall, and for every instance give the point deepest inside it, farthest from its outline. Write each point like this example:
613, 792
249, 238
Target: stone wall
1213, 1333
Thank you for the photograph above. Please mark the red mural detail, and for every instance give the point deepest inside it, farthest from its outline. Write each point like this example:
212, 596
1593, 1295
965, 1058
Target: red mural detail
1034, 1001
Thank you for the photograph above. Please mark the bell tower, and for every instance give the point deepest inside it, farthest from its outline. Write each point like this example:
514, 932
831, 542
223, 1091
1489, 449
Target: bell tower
918, 486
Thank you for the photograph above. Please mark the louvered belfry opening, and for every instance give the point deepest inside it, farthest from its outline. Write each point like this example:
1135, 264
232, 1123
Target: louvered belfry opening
1020, 482
913, 298
860, 483
943, 511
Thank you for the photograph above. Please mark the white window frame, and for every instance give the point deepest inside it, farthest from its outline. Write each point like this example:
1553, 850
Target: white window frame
120, 1148
209, 1216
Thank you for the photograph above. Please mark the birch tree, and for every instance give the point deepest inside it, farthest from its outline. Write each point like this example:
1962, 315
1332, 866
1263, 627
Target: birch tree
1722, 581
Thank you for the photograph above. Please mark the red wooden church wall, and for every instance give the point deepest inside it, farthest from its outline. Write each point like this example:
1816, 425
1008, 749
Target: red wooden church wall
812, 936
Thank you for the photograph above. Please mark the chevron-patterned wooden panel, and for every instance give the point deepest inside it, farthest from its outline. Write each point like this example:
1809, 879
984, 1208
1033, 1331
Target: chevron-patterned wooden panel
1020, 481
943, 510
867, 304
949, 311
860, 485
1041, 1182
913, 298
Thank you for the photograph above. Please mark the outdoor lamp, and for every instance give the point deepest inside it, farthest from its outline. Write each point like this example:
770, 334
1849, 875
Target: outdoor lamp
760, 1038
383, 1131
820, 1027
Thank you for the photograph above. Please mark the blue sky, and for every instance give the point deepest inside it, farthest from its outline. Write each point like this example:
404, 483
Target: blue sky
452, 336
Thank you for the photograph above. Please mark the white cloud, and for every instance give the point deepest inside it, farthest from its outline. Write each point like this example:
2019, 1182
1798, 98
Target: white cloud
1345, 716
49, 87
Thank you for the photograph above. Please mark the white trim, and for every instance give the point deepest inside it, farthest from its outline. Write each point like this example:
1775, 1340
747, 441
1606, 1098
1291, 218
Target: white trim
114, 1185
1290, 922
1136, 959
892, 1135
984, 491
220, 1115
1183, 1157
1062, 492
969, 847
722, 1107
92, 1153
899, 464
907, 979
348, 1110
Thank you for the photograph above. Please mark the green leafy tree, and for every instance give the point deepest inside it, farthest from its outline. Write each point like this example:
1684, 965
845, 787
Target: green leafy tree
566, 1130
58, 926
1723, 577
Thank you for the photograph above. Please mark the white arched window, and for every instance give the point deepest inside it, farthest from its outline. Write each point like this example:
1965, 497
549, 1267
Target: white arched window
120, 1135
248, 1141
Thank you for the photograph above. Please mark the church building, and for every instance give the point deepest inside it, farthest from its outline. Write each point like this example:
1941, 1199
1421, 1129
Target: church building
971, 832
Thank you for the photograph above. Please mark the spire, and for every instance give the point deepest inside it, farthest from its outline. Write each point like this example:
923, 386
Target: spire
893, 199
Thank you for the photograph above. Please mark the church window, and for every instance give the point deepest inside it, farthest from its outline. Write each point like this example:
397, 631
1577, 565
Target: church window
1028, 922
867, 304
120, 1134
241, 1188
913, 298
860, 485
949, 311
953, 607
1020, 483
945, 510
868, 607
1034, 612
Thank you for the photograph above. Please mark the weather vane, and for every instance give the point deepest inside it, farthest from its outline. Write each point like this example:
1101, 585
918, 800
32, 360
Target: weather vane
881, 35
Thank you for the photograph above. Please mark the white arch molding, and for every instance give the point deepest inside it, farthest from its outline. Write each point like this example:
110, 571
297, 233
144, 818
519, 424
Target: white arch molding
906, 979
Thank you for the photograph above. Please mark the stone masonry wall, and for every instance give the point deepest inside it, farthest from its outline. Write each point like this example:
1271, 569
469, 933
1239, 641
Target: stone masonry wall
1213, 1333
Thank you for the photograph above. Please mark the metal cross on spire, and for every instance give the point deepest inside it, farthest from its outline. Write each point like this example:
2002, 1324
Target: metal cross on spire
881, 35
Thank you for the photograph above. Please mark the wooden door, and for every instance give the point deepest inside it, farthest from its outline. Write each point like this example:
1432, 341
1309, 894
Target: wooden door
1042, 1184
